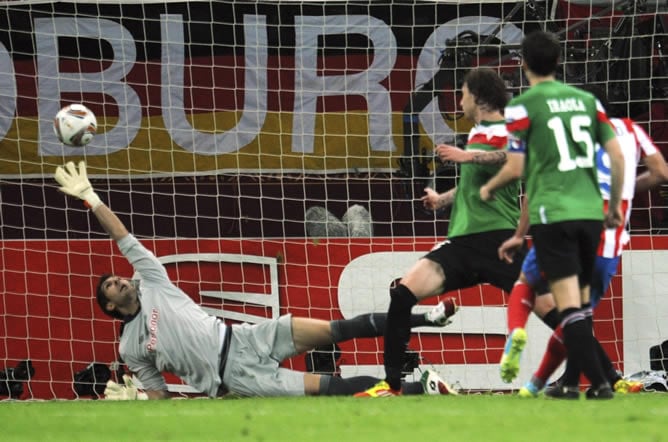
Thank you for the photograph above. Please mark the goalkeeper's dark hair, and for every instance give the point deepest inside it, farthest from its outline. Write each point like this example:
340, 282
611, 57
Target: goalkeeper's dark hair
541, 52
488, 89
102, 298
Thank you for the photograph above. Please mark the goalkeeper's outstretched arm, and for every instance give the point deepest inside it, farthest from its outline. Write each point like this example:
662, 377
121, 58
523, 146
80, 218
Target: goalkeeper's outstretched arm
74, 182
110, 222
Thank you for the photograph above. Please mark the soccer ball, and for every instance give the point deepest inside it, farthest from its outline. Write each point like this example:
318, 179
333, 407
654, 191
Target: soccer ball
75, 125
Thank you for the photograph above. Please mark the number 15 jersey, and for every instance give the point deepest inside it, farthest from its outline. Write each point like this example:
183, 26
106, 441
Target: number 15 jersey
557, 127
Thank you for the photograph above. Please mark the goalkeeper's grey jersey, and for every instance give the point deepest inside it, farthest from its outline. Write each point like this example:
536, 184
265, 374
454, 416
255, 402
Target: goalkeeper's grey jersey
170, 333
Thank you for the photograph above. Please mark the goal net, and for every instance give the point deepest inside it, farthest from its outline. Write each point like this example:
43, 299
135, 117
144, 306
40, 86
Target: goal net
272, 155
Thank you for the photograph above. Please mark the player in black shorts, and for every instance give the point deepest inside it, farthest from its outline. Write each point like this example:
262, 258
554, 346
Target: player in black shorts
476, 229
553, 132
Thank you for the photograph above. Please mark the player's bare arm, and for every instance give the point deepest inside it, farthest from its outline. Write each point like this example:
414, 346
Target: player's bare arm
434, 201
456, 155
494, 157
445, 152
656, 173
510, 172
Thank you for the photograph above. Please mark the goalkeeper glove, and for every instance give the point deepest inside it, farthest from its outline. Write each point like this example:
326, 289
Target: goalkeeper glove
76, 184
127, 392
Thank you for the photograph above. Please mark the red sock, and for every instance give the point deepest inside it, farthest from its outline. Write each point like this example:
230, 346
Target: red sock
520, 304
553, 357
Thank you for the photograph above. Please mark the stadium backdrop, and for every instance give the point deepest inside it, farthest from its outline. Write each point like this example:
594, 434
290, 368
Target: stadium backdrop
258, 98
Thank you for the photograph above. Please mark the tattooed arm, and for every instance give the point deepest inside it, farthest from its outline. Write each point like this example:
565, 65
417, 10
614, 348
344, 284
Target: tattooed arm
435, 201
494, 157
454, 154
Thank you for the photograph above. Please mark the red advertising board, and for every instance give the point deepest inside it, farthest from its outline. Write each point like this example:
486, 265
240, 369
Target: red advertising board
49, 315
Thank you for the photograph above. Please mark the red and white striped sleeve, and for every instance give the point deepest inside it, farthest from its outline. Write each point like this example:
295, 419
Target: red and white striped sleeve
645, 142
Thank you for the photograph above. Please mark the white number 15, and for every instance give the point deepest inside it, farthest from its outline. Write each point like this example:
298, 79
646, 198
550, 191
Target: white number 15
579, 134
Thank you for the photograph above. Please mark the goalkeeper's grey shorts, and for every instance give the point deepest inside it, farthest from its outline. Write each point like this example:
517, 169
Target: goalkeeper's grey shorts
253, 362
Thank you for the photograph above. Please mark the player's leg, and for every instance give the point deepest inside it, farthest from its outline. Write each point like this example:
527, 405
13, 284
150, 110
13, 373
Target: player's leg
531, 291
324, 385
253, 367
557, 254
577, 340
595, 364
619, 384
566, 253
515, 278
604, 270
372, 325
522, 296
509, 366
545, 308
423, 280
554, 355
520, 304
309, 333
446, 267
256, 351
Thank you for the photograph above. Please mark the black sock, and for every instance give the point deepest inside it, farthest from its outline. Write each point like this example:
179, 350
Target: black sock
408, 388
579, 342
337, 386
551, 318
573, 369
369, 325
606, 364
397, 333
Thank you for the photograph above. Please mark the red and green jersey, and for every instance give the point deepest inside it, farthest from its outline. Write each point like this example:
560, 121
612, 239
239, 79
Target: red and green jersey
557, 127
469, 213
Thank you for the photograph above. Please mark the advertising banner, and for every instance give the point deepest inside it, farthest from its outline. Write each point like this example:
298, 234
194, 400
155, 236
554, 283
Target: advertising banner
50, 315
196, 87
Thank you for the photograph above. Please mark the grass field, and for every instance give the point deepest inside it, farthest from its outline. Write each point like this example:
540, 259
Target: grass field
489, 418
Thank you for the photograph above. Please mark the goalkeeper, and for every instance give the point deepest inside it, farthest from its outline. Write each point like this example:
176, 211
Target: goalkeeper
165, 331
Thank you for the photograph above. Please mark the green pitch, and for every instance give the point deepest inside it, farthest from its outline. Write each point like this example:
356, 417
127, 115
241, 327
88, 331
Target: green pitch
488, 418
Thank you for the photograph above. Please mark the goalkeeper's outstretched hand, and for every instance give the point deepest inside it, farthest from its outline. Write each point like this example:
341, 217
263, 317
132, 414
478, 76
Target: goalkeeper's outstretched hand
127, 392
75, 183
